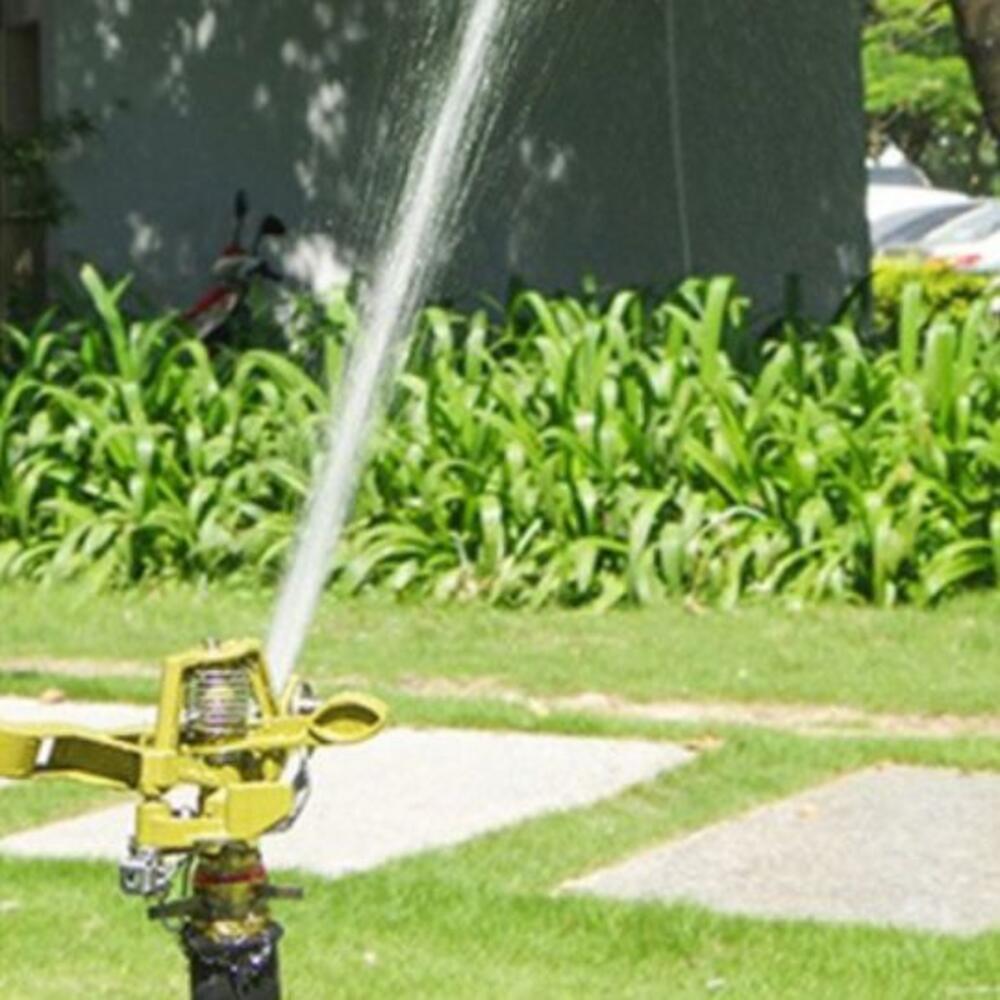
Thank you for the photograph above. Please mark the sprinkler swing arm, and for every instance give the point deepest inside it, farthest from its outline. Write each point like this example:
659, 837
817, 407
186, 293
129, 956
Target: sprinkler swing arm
222, 730
240, 777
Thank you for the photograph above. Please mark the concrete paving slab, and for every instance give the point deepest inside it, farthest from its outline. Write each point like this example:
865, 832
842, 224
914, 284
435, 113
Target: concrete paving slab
407, 791
77, 713
897, 846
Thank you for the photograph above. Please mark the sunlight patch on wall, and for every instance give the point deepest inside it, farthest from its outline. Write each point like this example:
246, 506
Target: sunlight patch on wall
316, 261
146, 238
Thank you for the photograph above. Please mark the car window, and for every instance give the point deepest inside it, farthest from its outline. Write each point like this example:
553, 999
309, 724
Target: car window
912, 226
904, 174
985, 221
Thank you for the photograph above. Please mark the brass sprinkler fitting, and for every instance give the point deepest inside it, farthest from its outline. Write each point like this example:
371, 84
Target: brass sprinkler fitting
245, 748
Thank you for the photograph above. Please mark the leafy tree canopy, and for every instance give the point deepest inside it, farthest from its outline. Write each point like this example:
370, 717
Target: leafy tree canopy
921, 96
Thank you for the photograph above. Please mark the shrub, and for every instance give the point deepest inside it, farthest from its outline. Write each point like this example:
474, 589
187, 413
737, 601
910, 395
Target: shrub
127, 451
574, 451
582, 453
946, 292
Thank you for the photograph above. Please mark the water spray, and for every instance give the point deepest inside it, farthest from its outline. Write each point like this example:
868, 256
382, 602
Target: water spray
224, 731
233, 723
431, 201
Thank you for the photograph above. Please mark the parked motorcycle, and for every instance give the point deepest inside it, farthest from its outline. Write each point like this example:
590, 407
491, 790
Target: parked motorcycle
224, 310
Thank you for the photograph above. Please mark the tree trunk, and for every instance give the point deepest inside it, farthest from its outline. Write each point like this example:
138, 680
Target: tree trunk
979, 27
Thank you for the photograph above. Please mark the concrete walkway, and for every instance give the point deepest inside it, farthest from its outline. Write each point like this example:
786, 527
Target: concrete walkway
898, 846
404, 792
96, 716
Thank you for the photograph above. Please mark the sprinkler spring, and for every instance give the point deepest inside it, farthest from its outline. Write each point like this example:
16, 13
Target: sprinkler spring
217, 703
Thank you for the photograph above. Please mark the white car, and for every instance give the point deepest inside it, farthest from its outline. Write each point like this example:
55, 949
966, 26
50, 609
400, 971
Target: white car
901, 232
969, 243
892, 167
885, 200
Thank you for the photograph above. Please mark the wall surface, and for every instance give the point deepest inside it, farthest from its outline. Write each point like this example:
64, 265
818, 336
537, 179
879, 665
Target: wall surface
638, 140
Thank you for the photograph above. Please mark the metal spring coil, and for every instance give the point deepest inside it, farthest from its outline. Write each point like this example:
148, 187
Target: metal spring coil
217, 702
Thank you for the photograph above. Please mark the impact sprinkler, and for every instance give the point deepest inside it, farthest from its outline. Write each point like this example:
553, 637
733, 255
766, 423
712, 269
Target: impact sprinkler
243, 749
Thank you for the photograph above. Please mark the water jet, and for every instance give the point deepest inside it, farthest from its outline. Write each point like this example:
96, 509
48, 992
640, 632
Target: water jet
244, 747
234, 723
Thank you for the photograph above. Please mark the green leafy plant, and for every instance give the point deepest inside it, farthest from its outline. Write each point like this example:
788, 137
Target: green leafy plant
597, 454
26, 164
945, 292
575, 451
920, 93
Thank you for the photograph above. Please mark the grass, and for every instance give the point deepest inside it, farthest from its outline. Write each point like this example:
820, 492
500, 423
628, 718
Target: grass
908, 660
482, 921
26, 806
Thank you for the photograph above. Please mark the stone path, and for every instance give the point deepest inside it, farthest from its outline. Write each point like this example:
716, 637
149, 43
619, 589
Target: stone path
909, 847
403, 792
96, 716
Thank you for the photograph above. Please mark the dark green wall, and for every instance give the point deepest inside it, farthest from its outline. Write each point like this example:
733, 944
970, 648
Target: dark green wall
299, 101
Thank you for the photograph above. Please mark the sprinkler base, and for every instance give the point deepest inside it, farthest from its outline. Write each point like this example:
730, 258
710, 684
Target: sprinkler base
233, 970
227, 935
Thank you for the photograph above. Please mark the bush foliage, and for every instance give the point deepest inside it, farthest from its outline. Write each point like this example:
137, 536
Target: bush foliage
947, 292
572, 451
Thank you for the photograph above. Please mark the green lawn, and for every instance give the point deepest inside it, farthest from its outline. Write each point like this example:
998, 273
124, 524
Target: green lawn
484, 920
24, 806
941, 660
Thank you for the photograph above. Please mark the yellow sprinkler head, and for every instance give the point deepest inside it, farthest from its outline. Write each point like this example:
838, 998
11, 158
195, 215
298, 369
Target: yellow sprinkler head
220, 728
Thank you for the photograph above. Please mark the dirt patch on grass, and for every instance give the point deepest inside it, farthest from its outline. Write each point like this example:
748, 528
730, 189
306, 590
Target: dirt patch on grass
820, 720
47, 666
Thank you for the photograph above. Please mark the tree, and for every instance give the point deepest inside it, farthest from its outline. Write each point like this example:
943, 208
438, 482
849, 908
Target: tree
921, 93
978, 24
